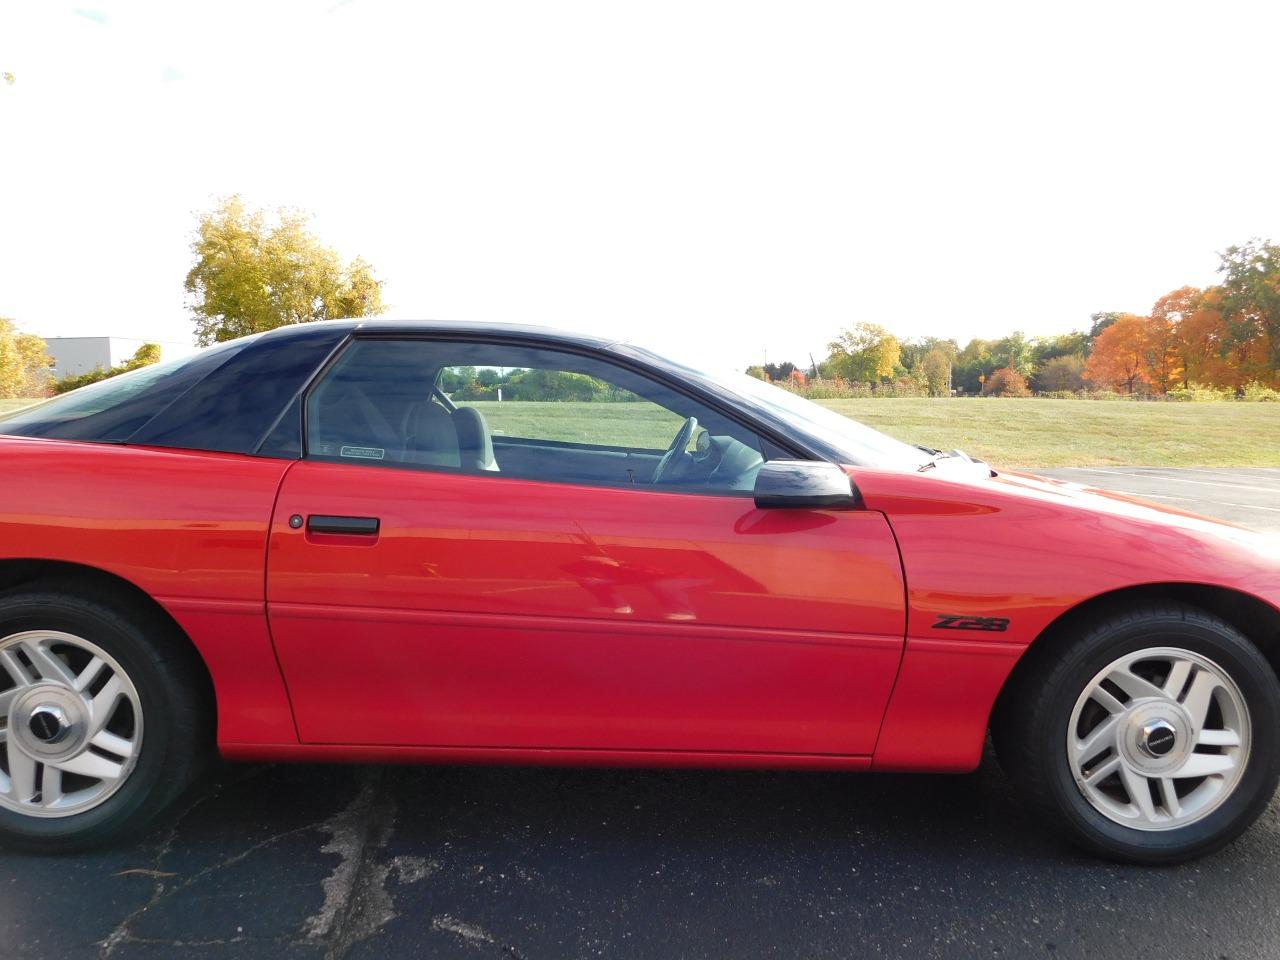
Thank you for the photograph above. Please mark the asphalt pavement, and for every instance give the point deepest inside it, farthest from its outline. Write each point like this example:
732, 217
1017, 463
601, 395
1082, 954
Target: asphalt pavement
1250, 496
472, 862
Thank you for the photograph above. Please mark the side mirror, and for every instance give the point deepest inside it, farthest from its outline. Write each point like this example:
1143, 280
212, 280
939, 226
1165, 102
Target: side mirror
804, 483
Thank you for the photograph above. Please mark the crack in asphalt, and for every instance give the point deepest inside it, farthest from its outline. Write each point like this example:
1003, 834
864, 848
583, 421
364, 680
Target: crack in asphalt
473, 935
356, 901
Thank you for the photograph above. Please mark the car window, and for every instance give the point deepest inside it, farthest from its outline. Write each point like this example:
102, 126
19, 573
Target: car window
113, 410
523, 412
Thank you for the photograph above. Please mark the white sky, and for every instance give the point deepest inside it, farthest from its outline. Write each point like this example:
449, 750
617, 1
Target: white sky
727, 177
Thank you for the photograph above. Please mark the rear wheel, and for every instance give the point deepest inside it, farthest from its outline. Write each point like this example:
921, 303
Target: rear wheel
1149, 737
103, 719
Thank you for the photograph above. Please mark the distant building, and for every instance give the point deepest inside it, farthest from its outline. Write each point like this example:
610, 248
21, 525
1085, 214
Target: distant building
73, 356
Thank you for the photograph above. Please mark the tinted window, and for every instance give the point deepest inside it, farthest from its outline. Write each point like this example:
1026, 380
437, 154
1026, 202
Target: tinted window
522, 412
234, 407
115, 409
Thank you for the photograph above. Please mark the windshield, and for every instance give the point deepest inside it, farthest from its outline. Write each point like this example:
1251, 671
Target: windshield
112, 410
846, 440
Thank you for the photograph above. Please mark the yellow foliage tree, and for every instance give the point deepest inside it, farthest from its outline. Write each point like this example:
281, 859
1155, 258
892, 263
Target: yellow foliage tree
24, 363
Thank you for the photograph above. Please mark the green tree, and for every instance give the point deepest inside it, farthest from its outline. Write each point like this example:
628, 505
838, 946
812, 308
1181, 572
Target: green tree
1061, 373
1251, 297
936, 368
974, 361
1044, 349
1014, 353
24, 362
865, 353
144, 356
757, 371
251, 275
1100, 322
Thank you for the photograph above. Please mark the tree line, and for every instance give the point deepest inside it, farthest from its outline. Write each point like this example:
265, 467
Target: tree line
253, 271
1223, 339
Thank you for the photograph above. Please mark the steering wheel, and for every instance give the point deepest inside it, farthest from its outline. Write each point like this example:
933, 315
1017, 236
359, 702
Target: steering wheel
678, 445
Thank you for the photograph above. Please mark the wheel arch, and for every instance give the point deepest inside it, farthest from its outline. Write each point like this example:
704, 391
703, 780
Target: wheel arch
111, 588
1256, 619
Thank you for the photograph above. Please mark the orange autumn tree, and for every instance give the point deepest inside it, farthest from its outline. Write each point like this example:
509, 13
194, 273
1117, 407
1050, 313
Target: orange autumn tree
1120, 355
1165, 363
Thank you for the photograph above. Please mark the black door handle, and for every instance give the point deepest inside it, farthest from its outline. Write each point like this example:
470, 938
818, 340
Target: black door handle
358, 526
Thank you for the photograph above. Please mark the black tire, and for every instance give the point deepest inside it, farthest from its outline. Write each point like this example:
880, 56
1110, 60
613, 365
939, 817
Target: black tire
1034, 714
173, 693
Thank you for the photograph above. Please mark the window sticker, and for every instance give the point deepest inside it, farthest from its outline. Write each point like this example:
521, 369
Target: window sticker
363, 453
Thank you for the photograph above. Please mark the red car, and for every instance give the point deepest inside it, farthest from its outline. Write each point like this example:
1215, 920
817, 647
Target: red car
401, 541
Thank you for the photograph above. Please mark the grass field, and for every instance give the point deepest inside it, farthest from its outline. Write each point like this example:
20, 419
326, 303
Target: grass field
1077, 433
1011, 433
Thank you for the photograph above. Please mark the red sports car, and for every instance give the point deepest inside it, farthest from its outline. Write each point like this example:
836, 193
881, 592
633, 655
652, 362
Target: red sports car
401, 541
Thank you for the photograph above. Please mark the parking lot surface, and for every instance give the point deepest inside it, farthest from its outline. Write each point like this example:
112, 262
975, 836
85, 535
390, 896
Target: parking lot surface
462, 862
1247, 496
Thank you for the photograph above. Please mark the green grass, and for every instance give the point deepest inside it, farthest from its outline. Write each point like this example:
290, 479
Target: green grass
1009, 433
7, 405
636, 424
1077, 433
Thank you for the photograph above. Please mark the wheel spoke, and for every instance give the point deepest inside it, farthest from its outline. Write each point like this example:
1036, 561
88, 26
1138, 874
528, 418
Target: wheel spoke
1169, 797
50, 785
16, 670
6, 699
1104, 733
1200, 696
1106, 700
103, 705
1218, 738
90, 673
49, 666
113, 744
22, 774
89, 764
1136, 785
1134, 685
1177, 679
1102, 771
1206, 765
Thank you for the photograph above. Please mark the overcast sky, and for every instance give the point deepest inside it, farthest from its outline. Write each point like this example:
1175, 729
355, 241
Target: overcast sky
715, 177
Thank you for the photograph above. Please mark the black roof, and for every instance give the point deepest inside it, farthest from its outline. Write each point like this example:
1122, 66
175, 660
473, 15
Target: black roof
379, 326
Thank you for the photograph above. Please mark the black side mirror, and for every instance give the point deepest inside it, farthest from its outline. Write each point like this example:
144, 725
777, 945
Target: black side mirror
804, 483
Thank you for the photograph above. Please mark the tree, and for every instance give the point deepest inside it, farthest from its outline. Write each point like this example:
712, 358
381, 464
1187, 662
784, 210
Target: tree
865, 353
779, 371
1119, 357
1044, 349
973, 362
1251, 296
144, 356
1061, 373
250, 275
24, 363
757, 371
1100, 322
936, 367
1014, 352
1005, 383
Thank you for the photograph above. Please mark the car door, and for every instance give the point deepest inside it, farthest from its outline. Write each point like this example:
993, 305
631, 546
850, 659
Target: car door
429, 587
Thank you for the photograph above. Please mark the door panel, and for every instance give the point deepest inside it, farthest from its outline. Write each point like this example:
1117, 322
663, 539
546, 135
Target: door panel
488, 611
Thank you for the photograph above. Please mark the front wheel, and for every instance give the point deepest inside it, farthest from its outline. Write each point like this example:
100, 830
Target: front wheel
1151, 737
103, 719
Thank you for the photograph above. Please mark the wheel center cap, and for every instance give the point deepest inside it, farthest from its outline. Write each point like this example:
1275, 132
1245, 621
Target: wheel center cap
49, 724
1157, 738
